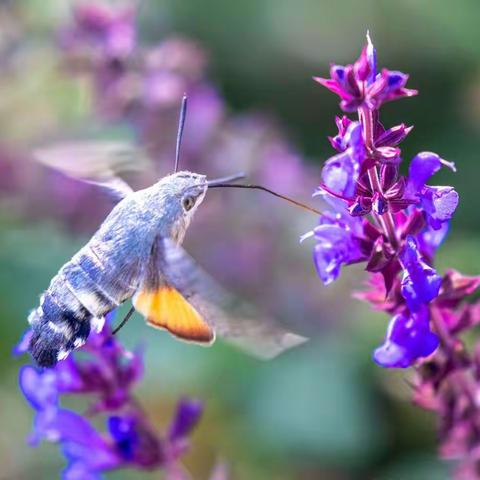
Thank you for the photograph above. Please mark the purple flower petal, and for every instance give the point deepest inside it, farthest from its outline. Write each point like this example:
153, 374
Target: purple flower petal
422, 167
393, 136
80, 471
408, 339
23, 344
420, 283
122, 430
338, 141
39, 387
372, 60
336, 247
72, 427
186, 418
439, 204
340, 173
429, 239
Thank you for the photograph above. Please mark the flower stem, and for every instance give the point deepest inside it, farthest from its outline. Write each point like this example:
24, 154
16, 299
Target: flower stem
386, 220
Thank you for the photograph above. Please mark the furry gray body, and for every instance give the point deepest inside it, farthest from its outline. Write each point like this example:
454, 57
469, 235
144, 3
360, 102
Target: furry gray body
109, 269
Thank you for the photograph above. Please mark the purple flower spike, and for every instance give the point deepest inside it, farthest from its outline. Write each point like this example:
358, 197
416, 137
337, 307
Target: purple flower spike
420, 283
408, 339
403, 222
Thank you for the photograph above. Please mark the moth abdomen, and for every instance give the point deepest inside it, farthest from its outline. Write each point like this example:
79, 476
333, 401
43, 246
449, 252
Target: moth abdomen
77, 299
57, 328
87, 290
99, 280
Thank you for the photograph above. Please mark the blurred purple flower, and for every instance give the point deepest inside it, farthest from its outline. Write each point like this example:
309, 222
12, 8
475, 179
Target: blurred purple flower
102, 29
106, 372
186, 418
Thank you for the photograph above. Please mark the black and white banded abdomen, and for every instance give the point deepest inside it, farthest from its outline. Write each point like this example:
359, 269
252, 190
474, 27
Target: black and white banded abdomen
79, 296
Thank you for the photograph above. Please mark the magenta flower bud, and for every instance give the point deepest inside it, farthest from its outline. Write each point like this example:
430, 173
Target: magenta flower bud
362, 67
393, 136
361, 206
339, 141
371, 54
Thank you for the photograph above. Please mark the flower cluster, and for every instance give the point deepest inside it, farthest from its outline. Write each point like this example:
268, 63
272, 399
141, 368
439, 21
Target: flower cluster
391, 222
104, 373
141, 85
395, 224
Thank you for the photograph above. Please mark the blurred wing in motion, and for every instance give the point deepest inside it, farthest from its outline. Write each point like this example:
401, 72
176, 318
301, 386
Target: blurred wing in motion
98, 163
211, 310
165, 307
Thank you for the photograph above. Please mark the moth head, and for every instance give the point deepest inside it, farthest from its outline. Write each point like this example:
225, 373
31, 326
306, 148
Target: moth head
188, 191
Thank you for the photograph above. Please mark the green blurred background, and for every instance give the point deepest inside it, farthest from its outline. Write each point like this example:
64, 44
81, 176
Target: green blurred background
321, 411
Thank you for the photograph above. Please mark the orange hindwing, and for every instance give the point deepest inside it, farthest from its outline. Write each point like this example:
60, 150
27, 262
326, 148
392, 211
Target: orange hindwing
167, 308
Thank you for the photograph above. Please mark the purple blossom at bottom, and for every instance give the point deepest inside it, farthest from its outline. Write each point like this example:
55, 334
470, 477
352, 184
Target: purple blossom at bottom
105, 373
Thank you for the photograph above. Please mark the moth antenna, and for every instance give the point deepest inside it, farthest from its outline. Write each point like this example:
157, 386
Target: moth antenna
181, 125
271, 192
124, 321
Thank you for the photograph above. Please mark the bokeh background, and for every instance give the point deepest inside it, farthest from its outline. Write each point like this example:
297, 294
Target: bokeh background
321, 411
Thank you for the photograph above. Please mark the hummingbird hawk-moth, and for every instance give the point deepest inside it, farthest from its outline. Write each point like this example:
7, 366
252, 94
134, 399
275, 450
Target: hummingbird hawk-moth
136, 254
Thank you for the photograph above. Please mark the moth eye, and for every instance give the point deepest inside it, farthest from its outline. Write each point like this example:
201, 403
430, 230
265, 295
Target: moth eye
188, 203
